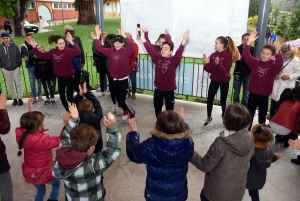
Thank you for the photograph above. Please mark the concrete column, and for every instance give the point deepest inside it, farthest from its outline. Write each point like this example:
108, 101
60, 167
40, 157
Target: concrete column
99, 13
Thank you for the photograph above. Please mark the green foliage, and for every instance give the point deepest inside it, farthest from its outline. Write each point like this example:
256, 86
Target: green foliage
253, 8
283, 23
294, 30
8, 8
253, 20
274, 14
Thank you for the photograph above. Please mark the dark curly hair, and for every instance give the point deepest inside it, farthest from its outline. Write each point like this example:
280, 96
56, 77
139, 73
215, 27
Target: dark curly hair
293, 95
55, 38
108, 42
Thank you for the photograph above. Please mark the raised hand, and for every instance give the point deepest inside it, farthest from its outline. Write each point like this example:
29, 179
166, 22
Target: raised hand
109, 120
206, 59
80, 90
278, 47
252, 37
73, 111
186, 34
84, 87
69, 38
66, 117
93, 36
3, 101
32, 42
144, 29
181, 112
98, 31
133, 126
167, 31
30, 105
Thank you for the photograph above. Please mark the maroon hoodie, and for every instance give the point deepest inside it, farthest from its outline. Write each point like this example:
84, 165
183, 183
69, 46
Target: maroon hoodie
165, 67
62, 59
157, 48
4, 129
68, 158
262, 73
220, 72
118, 60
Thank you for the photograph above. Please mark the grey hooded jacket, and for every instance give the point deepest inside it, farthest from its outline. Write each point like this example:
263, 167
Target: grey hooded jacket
10, 57
226, 165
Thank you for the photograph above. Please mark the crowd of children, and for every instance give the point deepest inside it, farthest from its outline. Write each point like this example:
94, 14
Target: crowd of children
80, 158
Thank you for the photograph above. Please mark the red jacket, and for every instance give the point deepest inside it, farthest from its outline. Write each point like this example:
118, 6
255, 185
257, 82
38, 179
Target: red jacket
133, 60
4, 129
288, 115
37, 156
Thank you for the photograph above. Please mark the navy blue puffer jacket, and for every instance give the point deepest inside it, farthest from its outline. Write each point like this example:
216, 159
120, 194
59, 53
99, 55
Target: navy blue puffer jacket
166, 158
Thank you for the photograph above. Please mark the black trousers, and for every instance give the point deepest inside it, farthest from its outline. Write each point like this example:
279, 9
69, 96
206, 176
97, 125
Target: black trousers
158, 100
254, 194
63, 83
212, 91
48, 84
202, 196
111, 88
262, 102
102, 75
77, 79
121, 91
275, 104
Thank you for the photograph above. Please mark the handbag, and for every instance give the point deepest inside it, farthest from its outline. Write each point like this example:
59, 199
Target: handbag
85, 77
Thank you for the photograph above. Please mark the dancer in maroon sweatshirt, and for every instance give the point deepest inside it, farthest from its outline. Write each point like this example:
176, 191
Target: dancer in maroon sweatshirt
218, 65
62, 60
118, 62
263, 72
165, 72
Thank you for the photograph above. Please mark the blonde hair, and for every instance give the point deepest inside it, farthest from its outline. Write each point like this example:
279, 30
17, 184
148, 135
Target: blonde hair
229, 43
41, 48
286, 48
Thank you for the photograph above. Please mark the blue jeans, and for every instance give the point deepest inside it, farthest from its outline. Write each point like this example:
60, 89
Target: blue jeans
237, 87
32, 82
41, 190
132, 78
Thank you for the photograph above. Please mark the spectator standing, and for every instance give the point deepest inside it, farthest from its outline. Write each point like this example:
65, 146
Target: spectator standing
273, 37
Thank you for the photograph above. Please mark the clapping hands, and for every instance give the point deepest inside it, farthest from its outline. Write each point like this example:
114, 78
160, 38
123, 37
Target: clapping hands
109, 120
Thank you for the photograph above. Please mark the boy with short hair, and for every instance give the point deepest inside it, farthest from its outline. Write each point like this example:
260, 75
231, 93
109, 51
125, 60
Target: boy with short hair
76, 163
262, 76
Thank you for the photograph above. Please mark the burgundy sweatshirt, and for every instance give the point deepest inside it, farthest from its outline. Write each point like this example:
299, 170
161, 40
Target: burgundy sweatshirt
4, 129
157, 47
62, 59
262, 73
118, 60
165, 67
220, 72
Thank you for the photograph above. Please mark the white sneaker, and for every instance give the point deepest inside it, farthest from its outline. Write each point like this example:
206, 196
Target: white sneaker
98, 90
40, 99
125, 116
101, 94
119, 111
163, 108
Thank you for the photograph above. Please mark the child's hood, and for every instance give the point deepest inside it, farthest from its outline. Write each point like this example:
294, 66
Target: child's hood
68, 159
240, 142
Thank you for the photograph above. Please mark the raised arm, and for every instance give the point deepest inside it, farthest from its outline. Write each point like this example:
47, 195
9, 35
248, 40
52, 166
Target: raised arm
145, 30
248, 58
167, 36
153, 54
76, 49
176, 59
278, 60
106, 158
38, 54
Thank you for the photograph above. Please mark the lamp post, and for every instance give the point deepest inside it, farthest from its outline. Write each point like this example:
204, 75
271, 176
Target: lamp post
99, 13
62, 11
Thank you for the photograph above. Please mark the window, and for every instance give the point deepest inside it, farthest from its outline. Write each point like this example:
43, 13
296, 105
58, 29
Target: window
31, 5
55, 5
63, 6
70, 6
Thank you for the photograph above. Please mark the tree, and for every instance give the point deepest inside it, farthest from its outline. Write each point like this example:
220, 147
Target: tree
294, 30
274, 15
84, 8
15, 11
253, 8
283, 23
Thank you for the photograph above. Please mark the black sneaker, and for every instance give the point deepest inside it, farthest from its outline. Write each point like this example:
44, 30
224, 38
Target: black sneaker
15, 102
20, 102
47, 101
52, 101
207, 121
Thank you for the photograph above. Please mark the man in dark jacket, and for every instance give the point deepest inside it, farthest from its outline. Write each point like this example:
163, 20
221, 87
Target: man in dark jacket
6, 187
242, 73
10, 62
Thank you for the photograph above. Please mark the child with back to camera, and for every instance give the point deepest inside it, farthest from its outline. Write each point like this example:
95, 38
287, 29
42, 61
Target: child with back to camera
165, 72
226, 163
77, 165
166, 155
62, 61
37, 153
262, 159
218, 65
90, 111
118, 62
263, 72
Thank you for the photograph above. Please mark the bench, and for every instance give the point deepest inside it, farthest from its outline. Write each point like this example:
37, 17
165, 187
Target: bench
51, 22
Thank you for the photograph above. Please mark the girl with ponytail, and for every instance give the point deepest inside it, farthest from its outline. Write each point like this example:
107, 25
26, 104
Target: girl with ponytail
218, 65
62, 58
37, 153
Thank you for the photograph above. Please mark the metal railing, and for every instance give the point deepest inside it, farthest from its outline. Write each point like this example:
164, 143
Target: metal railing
191, 79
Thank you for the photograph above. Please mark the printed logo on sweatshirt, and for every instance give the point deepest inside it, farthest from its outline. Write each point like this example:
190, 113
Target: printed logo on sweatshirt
164, 66
116, 57
262, 71
57, 58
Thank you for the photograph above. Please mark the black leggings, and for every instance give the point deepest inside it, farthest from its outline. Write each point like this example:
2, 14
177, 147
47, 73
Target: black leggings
102, 75
212, 91
121, 91
77, 79
63, 83
254, 194
48, 84
111, 89
158, 100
